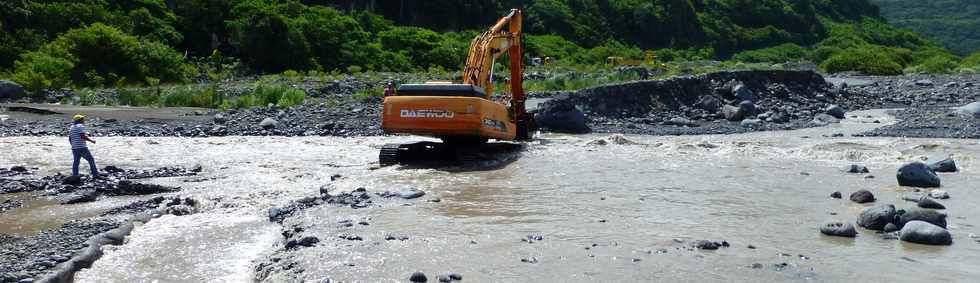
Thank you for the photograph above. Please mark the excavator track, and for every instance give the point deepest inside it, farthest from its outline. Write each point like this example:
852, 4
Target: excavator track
389, 155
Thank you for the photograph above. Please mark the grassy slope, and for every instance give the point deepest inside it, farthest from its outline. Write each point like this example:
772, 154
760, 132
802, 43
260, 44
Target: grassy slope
953, 23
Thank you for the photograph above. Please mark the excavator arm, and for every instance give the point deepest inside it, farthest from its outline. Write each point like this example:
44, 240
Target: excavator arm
504, 36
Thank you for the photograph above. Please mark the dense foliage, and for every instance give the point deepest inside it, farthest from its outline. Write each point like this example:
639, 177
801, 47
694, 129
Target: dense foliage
953, 23
55, 43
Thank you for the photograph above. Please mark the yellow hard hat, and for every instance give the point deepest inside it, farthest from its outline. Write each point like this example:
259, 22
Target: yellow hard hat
78, 117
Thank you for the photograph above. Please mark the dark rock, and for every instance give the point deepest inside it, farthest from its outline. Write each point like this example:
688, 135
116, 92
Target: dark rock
926, 215
743, 110
917, 174
926, 202
418, 276
835, 195
80, 197
18, 169
838, 228
743, 93
72, 180
456, 276
709, 102
862, 196
944, 166
444, 278
855, 168
268, 123
561, 115
836, 111
706, 245
890, 227
875, 218
10, 91
925, 233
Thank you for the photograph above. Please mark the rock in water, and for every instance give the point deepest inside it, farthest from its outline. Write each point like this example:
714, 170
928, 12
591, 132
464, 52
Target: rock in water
838, 228
891, 227
875, 218
926, 202
561, 115
925, 233
835, 195
751, 123
268, 123
411, 194
917, 174
939, 194
418, 276
862, 196
944, 166
926, 215
972, 109
706, 245
10, 91
824, 119
835, 111
855, 168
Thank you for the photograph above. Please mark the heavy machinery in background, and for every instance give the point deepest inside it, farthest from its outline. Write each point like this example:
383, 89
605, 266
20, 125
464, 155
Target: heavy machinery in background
649, 58
464, 115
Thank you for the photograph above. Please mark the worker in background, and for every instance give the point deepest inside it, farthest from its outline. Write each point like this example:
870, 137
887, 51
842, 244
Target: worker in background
389, 90
77, 137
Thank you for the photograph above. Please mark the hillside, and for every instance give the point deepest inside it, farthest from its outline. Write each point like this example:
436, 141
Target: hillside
49, 44
953, 23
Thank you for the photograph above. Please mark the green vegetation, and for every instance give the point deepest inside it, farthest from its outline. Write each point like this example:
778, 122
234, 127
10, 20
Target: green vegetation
49, 44
953, 23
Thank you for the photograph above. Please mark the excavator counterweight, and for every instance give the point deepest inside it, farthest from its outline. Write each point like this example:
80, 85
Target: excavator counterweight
463, 114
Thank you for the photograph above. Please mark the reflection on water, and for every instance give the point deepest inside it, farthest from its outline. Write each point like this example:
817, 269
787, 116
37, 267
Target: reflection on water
612, 213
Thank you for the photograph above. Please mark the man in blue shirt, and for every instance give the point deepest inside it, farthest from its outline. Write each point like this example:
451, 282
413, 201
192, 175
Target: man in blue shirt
77, 137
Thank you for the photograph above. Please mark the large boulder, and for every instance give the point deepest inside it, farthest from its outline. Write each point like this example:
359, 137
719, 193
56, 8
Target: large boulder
944, 166
970, 109
925, 233
918, 214
838, 228
268, 123
744, 110
743, 93
836, 111
561, 115
10, 91
917, 174
875, 218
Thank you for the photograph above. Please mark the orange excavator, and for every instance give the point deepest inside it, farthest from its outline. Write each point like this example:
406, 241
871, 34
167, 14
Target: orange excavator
464, 115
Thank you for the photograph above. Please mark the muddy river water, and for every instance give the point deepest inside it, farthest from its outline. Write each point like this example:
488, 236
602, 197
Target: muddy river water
605, 213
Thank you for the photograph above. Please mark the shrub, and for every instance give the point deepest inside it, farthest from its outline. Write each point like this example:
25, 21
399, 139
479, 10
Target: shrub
867, 60
971, 61
193, 96
777, 54
98, 55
